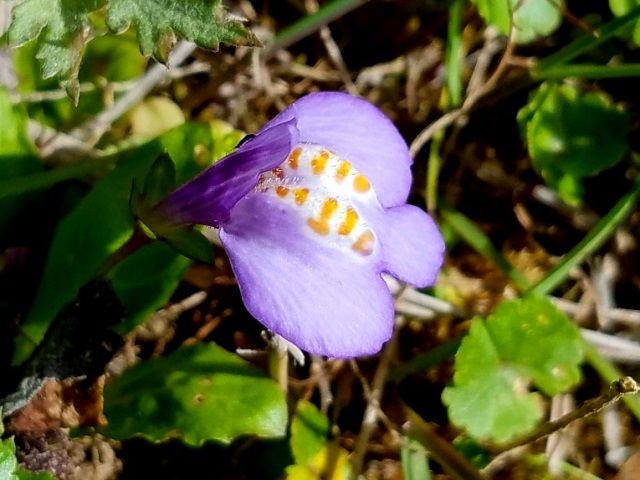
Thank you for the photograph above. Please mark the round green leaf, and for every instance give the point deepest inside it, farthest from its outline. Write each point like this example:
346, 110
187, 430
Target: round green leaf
525, 341
198, 393
572, 134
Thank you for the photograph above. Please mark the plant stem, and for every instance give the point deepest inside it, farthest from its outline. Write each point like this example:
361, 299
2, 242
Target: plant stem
311, 23
453, 55
586, 42
590, 243
48, 178
609, 373
481, 243
433, 171
588, 71
617, 390
442, 452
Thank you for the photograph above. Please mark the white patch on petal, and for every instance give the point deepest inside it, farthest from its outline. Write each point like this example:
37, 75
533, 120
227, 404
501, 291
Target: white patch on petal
330, 194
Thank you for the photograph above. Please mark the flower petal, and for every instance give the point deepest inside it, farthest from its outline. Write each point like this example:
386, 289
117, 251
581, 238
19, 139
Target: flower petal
358, 131
210, 196
412, 245
324, 299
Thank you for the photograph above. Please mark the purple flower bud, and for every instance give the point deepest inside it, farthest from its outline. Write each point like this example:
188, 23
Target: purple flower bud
311, 212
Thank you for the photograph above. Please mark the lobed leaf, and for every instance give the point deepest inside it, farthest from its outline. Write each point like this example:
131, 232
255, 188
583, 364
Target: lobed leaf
198, 393
157, 22
62, 28
525, 341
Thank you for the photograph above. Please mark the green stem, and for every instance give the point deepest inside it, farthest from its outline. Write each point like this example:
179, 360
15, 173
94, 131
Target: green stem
590, 243
42, 180
453, 57
588, 71
609, 373
433, 171
481, 243
587, 42
311, 23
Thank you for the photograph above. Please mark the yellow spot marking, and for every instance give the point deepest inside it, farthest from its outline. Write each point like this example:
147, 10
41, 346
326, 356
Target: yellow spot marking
328, 209
321, 224
364, 244
343, 170
319, 162
361, 184
349, 223
321, 228
282, 191
294, 157
300, 195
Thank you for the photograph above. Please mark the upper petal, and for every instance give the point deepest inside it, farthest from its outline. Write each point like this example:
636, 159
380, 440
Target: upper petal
358, 131
412, 245
326, 300
208, 198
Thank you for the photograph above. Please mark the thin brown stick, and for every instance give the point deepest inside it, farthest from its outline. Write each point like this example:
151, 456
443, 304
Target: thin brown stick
442, 451
619, 388
371, 417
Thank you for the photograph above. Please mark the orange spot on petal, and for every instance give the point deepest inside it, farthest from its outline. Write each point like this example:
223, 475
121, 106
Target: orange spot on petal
319, 162
361, 184
343, 170
294, 158
282, 191
319, 226
349, 223
364, 244
300, 195
328, 209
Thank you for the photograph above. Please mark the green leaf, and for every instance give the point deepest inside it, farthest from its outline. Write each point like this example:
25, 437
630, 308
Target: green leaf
532, 19
622, 7
28, 475
8, 461
191, 243
571, 135
160, 181
198, 393
17, 154
99, 225
63, 29
204, 22
309, 432
525, 341
415, 464
145, 281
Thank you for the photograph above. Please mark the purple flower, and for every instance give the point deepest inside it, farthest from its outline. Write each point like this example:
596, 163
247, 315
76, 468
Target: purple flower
311, 212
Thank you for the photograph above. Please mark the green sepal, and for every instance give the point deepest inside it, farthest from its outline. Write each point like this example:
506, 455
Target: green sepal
191, 243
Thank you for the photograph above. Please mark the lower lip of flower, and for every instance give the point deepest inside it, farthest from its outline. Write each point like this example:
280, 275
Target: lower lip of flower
329, 194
